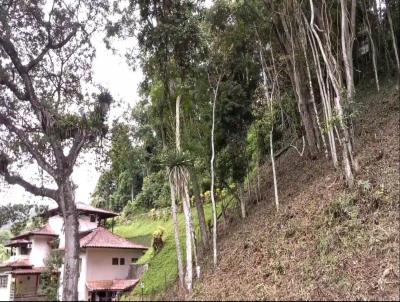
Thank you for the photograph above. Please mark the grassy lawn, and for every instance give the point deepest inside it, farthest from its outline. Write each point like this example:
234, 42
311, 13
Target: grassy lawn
163, 267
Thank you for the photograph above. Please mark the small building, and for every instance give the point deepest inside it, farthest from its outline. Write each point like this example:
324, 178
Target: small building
105, 259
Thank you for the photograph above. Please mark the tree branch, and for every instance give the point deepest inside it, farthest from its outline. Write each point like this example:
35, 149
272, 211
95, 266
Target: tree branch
44, 116
8, 123
18, 180
5, 80
79, 141
51, 45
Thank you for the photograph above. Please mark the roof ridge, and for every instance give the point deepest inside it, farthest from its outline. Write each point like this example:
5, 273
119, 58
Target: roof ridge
92, 234
102, 237
123, 238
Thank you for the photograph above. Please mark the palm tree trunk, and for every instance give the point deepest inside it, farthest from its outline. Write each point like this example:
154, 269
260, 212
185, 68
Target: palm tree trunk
176, 228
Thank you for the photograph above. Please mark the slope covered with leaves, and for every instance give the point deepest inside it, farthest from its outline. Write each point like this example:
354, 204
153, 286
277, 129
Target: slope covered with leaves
327, 242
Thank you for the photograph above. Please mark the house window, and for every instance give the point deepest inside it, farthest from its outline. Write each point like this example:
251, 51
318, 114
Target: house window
134, 260
24, 250
114, 261
92, 218
3, 281
121, 261
28, 278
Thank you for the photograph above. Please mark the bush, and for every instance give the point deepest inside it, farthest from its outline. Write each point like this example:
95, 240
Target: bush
158, 241
342, 209
49, 278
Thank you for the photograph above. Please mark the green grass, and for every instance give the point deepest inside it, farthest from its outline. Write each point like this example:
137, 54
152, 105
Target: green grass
163, 267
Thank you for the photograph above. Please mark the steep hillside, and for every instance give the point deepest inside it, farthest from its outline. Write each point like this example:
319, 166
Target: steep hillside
327, 242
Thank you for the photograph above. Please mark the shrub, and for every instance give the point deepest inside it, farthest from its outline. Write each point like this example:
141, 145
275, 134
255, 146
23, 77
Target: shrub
342, 209
49, 278
158, 241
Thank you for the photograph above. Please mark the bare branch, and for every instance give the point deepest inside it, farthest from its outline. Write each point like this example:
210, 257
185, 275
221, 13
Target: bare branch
13, 54
5, 80
8, 123
79, 141
51, 45
18, 180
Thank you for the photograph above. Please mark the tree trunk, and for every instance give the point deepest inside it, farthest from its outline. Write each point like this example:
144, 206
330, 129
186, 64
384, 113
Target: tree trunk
372, 44
214, 208
270, 99
347, 44
249, 186
242, 201
176, 229
335, 79
200, 209
188, 235
347, 39
258, 182
285, 38
324, 96
310, 85
305, 114
175, 196
192, 230
71, 227
181, 186
271, 146
395, 49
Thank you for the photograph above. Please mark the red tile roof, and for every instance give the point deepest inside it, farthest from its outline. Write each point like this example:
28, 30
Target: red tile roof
18, 242
45, 230
17, 263
101, 237
111, 285
36, 270
82, 207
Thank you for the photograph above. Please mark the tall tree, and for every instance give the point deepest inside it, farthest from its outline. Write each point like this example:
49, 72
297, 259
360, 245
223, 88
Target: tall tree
372, 44
393, 36
319, 20
286, 30
45, 114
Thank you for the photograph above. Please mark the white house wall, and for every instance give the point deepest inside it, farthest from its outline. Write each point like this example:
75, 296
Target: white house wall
5, 291
99, 263
57, 224
40, 250
85, 224
82, 293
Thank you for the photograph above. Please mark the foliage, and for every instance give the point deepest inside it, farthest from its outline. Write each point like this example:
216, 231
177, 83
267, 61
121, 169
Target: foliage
5, 235
158, 241
342, 209
155, 194
163, 270
123, 180
23, 217
48, 115
14, 213
49, 279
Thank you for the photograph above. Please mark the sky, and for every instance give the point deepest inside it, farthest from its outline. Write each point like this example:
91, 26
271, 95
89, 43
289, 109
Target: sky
112, 72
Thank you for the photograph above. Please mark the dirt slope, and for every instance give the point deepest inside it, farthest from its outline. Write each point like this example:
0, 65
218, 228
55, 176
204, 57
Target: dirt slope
327, 242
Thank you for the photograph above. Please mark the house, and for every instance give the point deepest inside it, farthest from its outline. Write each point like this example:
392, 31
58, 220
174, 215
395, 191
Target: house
105, 259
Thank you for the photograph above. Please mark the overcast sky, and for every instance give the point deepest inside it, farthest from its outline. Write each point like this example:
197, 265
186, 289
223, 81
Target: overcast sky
110, 71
